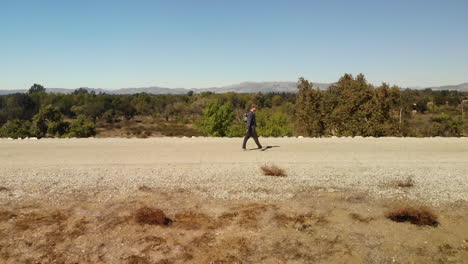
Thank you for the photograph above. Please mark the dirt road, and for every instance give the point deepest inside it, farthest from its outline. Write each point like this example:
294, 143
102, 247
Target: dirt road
219, 168
75, 200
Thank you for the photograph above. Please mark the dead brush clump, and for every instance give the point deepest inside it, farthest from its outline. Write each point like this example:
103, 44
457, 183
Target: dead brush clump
151, 216
145, 188
415, 215
273, 170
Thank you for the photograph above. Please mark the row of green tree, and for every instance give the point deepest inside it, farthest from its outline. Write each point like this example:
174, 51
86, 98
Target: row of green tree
350, 107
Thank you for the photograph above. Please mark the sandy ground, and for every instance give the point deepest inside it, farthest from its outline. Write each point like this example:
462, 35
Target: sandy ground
72, 200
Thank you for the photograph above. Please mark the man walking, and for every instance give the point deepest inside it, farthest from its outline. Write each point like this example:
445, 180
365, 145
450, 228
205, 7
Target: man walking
250, 130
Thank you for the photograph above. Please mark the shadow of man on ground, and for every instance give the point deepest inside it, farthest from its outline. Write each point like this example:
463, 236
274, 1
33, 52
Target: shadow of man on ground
265, 148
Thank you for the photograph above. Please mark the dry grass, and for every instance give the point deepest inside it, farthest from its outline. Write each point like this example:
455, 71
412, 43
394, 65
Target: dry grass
355, 197
152, 216
361, 218
408, 183
191, 220
273, 170
417, 216
145, 188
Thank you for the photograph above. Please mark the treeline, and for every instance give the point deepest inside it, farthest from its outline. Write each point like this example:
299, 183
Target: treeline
350, 107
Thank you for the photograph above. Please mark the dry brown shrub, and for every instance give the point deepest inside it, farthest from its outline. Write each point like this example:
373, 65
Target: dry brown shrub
273, 170
361, 218
152, 216
417, 216
408, 183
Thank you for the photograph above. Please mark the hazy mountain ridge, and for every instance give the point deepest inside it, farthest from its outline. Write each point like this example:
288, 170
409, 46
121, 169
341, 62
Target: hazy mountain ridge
463, 87
244, 87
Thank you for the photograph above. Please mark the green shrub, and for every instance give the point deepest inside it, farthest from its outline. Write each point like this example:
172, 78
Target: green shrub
273, 124
82, 127
48, 116
16, 129
445, 125
217, 119
236, 130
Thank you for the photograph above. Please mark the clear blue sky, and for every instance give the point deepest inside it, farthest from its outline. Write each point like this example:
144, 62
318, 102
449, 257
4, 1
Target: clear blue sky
172, 43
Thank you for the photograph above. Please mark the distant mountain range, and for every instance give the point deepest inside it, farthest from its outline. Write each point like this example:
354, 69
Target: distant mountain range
245, 87
461, 87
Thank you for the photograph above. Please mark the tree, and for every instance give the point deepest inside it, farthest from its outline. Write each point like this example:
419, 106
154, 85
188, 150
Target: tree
351, 102
80, 91
36, 88
217, 119
308, 110
273, 123
385, 115
82, 127
124, 106
16, 129
17, 106
48, 120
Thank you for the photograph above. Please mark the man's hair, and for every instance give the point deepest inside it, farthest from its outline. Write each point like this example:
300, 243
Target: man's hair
253, 106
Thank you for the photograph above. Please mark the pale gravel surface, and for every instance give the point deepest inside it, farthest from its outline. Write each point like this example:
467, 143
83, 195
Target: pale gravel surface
217, 167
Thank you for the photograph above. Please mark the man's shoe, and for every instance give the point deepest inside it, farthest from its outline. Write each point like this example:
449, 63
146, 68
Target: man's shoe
244, 149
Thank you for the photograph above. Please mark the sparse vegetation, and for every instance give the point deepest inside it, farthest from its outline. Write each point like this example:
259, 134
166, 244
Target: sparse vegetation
416, 215
207, 230
273, 170
4, 189
151, 216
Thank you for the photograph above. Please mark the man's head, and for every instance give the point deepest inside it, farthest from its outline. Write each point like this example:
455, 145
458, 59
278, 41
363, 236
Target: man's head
253, 108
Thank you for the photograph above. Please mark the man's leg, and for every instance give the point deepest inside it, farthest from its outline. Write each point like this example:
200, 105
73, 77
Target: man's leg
255, 137
247, 136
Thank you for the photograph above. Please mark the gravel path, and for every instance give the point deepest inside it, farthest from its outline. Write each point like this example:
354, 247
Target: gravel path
217, 167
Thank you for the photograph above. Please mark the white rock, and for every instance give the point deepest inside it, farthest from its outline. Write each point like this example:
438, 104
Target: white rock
300, 137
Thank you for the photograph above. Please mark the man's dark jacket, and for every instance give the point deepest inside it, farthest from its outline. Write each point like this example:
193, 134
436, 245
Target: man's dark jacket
251, 121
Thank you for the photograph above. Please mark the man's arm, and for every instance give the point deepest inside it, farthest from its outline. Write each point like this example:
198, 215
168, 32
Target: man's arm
249, 120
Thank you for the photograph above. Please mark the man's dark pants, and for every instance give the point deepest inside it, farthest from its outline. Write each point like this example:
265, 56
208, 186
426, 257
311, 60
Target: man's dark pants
251, 133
